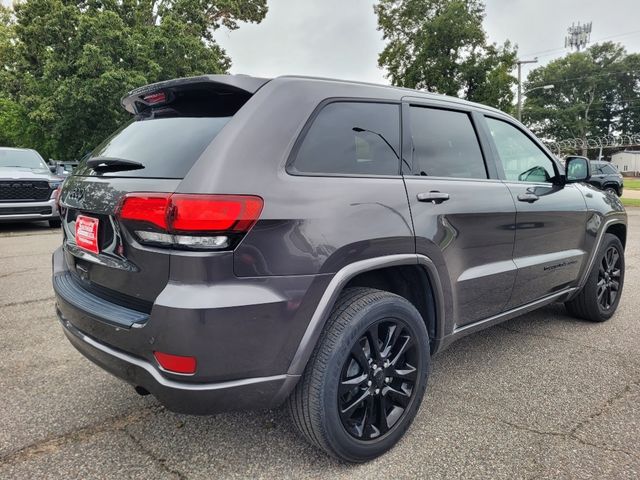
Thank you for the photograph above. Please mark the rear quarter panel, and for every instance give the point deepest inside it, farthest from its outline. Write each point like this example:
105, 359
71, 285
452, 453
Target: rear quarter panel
310, 224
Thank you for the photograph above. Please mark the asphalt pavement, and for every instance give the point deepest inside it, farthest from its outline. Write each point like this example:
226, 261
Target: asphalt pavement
540, 396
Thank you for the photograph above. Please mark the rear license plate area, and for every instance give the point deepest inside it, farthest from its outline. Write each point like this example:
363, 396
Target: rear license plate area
87, 233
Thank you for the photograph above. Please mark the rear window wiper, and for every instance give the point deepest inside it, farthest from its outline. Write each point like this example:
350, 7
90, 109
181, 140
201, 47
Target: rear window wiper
113, 164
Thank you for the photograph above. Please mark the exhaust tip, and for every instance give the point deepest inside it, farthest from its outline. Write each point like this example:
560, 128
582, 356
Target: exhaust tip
141, 390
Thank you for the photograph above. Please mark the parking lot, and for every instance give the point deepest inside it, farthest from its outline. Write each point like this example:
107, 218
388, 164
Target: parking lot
541, 396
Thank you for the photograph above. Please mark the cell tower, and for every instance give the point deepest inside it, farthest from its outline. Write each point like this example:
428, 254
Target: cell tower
579, 36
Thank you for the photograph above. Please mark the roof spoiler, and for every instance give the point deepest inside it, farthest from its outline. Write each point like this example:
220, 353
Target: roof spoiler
160, 94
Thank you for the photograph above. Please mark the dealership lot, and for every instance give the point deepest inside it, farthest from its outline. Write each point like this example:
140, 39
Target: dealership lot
541, 396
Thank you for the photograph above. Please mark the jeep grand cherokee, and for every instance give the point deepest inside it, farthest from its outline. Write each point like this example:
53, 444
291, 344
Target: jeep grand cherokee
245, 242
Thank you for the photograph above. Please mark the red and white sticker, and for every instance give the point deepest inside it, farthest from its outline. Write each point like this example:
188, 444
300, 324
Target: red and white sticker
87, 233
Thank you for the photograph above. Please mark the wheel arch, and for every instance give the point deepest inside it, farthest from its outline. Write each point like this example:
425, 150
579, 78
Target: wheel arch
609, 184
615, 226
620, 231
411, 282
386, 273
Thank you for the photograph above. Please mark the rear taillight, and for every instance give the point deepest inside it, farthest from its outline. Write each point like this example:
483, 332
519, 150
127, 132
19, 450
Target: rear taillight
146, 207
191, 221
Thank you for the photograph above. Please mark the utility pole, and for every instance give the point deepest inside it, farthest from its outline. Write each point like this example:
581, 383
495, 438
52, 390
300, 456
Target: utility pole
520, 63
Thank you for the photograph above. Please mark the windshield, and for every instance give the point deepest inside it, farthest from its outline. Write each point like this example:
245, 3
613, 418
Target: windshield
166, 147
21, 158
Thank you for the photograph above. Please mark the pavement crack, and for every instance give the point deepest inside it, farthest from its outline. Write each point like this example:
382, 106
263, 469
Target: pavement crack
159, 461
20, 272
566, 435
27, 302
53, 444
606, 406
573, 432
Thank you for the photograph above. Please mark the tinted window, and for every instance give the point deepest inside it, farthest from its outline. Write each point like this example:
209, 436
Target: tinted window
352, 138
167, 147
521, 158
599, 168
445, 144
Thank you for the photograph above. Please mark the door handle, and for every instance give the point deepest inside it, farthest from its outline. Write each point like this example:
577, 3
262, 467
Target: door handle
433, 197
528, 197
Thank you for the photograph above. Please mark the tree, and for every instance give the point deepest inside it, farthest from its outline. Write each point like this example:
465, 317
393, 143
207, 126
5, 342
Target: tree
441, 46
67, 63
596, 93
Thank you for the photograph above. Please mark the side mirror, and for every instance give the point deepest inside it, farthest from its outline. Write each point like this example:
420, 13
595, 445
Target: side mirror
53, 168
578, 169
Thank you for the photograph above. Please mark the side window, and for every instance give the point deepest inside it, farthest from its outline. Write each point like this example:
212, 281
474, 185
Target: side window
445, 144
352, 138
522, 160
609, 170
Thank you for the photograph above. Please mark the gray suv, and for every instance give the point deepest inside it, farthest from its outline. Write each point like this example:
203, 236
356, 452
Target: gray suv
28, 187
244, 243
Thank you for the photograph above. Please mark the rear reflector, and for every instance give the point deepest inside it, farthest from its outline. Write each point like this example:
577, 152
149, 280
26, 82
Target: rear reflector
176, 363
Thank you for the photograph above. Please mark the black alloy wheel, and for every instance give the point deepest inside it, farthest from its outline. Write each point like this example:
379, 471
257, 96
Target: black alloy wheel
609, 278
600, 295
365, 380
378, 379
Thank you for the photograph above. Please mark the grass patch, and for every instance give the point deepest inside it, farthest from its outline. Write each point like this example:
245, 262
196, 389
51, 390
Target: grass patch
632, 183
631, 202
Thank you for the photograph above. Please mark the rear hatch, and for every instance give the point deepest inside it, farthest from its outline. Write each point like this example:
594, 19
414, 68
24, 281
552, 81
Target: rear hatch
125, 258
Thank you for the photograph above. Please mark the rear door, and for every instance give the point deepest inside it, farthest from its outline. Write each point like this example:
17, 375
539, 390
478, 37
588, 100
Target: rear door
551, 218
462, 213
174, 124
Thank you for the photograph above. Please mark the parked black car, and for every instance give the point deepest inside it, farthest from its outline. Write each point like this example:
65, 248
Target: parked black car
245, 242
605, 176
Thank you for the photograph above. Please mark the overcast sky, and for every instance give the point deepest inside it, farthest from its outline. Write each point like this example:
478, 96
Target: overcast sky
338, 38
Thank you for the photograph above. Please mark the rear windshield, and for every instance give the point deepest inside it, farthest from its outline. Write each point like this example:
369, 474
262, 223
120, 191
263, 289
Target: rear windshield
21, 158
167, 147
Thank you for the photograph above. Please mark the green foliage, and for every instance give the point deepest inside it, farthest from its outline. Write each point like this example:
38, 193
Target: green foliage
630, 202
441, 46
65, 64
631, 184
596, 93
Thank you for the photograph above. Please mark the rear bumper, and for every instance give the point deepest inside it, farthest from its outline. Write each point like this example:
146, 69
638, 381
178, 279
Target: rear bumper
243, 335
27, 211
191, 398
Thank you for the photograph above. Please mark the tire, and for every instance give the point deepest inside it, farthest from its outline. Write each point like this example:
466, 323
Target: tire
589, 304
612, 190
315, 405
55, 223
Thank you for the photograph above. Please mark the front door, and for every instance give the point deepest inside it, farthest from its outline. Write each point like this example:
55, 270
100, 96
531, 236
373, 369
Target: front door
550, 217
463, 215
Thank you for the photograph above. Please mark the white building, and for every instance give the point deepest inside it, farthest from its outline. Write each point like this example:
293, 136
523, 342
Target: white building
628, 162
